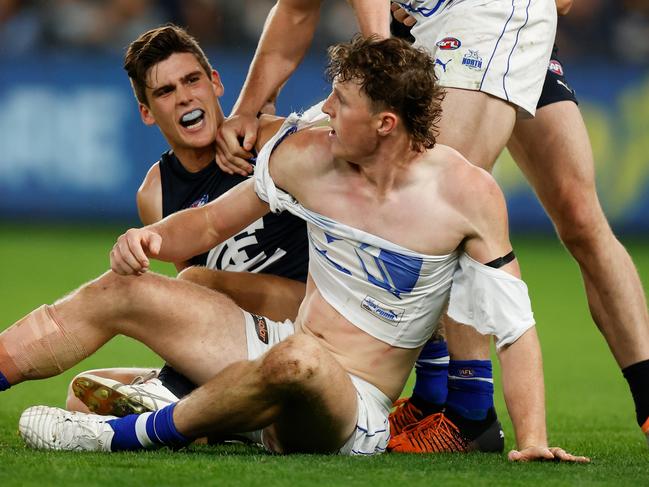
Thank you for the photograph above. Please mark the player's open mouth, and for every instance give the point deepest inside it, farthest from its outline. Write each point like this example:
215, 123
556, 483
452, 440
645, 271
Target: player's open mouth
193, 119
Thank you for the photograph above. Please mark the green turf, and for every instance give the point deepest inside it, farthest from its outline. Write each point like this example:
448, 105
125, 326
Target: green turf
589, 407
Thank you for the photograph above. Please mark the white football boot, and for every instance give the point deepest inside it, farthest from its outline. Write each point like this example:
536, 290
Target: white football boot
48, 428
108, 396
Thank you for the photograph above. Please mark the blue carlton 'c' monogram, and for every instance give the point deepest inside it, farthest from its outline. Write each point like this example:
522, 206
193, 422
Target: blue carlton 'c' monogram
398, 273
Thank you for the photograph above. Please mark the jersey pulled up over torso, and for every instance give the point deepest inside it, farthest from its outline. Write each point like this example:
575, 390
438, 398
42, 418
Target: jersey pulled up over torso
392, 293
274, 244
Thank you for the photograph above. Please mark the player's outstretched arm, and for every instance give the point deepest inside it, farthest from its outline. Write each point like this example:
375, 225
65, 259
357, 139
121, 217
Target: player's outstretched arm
189, 232
286, 37
520, 358
373, 17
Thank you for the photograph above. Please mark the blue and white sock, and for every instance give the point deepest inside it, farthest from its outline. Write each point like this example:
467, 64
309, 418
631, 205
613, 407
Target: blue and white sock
470, 388
431, 371
4, 383
148, 430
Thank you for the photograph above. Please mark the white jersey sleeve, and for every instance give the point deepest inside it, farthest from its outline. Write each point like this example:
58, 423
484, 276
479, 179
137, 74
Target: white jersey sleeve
490, 300
264, 185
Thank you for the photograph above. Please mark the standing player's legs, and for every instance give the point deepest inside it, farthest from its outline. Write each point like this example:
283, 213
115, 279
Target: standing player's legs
177, 319
554, 153
476, 124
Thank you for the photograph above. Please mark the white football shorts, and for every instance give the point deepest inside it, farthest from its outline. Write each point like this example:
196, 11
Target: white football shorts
494, 46
372, 431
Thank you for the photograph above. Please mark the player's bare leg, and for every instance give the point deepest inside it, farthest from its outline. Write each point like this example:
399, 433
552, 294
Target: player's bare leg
476, 124
277, 298
297, 391
559, 165
175, 318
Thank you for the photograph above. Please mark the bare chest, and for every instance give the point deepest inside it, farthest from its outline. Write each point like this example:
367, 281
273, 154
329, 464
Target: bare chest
413, 220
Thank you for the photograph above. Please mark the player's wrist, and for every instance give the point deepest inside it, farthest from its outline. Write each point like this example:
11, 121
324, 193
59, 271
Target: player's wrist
246, 109
533, 441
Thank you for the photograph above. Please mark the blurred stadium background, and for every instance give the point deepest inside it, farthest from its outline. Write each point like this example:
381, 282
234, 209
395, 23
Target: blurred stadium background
72, 147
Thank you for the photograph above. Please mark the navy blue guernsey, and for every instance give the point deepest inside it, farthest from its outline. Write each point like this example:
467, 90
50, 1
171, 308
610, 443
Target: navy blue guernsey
275, 244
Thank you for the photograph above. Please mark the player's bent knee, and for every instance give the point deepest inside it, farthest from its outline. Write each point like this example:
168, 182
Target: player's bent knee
581, 226
292, 362
120, 292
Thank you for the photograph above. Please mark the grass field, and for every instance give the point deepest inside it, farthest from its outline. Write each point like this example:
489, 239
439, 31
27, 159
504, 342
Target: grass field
589, 407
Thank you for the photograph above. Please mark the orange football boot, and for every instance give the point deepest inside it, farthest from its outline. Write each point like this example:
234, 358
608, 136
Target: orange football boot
405, 413
438, 434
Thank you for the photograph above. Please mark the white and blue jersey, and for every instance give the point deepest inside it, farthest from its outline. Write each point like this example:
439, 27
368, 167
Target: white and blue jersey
390, 292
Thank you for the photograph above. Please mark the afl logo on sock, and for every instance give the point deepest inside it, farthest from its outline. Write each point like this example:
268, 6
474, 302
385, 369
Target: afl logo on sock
261, 328
466, 372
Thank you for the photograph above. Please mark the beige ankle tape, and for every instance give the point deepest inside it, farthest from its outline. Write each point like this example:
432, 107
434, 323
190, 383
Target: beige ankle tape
39, 345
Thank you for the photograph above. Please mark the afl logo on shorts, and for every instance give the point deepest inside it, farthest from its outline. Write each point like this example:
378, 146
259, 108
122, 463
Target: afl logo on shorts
555, 67
449, 44
261, 327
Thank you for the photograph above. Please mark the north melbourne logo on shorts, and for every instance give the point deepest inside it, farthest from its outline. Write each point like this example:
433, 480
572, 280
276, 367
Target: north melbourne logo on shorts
382, 311
261, 327
472, 60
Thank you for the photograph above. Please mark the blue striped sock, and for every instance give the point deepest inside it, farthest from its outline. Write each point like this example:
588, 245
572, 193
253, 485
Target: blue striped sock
4, 383
470, 388
431, 371
148, 430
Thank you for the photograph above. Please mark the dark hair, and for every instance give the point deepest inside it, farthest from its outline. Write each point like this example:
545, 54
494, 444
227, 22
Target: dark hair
395, 76
155, 46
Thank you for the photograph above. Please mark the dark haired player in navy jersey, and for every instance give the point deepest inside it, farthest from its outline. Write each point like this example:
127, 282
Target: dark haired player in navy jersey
187, 176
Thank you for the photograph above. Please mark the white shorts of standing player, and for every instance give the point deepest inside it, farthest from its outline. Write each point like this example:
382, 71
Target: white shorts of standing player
500, 47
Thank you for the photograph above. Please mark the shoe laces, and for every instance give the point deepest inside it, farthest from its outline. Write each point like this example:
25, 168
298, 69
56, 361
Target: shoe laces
435, 433
75, 429
404, 415
141, 379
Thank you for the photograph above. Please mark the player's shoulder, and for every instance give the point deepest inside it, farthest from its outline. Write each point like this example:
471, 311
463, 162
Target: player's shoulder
469, 186
149, 196
268, 127
152, 180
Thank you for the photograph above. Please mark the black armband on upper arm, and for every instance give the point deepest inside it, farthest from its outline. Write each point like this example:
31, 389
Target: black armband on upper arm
501, 261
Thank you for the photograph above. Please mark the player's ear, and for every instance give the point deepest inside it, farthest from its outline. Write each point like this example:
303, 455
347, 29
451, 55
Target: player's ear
216, 81
387, 122
146, 115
